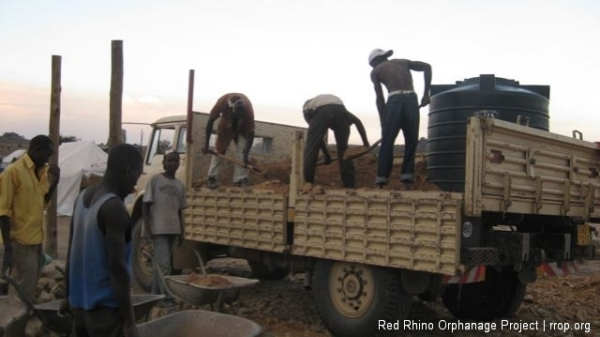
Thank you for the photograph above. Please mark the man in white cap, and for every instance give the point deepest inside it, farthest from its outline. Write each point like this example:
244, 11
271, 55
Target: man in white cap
401, 112
325, 112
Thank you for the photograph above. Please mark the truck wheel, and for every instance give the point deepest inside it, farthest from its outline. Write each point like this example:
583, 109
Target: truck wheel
264, 272
142, 266
498, 296
352, 298
515, 294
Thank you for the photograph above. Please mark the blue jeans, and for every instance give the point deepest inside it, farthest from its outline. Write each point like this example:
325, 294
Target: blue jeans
401, 113
163, 245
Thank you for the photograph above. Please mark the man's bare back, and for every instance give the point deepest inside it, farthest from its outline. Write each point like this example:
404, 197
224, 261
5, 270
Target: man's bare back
394, 74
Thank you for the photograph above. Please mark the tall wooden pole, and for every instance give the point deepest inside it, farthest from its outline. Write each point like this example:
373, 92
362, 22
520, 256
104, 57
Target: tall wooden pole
115, 136
51, 233
189, 157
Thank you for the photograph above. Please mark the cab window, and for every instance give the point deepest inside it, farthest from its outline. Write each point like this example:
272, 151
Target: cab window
161, 141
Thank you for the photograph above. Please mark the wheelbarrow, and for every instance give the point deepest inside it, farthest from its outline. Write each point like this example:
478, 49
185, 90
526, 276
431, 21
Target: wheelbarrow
192, 323
227, 290
13, 317
205, 289
48, 313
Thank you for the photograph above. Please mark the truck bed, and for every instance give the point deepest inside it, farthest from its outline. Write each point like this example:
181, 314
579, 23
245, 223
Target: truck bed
509, 168
413, 229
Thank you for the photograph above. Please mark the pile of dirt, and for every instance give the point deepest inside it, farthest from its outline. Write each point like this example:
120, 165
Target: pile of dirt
208, 280
276, 175
574, 297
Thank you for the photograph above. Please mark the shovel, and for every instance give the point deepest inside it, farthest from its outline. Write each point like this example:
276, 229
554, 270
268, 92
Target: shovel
236, 162
348, 156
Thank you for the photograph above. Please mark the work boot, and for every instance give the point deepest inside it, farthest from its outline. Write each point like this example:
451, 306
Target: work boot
212, 183
381, 181
242, 183
407, 184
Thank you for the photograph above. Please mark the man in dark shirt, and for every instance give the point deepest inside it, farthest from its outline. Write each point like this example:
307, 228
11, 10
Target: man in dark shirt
237, 124
100, 240
401, 112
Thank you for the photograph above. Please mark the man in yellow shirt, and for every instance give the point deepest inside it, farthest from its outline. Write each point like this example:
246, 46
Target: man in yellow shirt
25, 188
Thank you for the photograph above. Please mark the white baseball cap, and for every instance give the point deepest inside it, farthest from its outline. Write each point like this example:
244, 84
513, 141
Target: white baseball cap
379, 52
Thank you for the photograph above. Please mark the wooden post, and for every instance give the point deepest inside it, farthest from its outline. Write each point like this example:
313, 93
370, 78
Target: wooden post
115, 136
297, 176
51, 232
190, 146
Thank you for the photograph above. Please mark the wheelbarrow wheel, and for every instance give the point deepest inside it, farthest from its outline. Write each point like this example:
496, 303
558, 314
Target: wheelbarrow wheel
142, 266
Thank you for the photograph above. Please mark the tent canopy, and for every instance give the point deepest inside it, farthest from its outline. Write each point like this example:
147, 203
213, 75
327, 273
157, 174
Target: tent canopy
77, 160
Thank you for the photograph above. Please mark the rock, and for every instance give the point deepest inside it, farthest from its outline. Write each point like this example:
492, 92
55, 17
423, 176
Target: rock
44, 297
154, 313
58, 291
34, 327
47, 284
50, 270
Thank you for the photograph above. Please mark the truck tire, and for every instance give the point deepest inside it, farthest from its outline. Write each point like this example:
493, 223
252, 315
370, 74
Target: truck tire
142, 266
498, 296
516, 290
264, 272
352, 298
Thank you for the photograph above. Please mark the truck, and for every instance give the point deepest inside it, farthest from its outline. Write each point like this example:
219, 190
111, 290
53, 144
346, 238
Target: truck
528, 199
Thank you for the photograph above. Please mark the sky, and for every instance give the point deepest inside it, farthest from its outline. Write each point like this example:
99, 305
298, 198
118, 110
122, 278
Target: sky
282, 52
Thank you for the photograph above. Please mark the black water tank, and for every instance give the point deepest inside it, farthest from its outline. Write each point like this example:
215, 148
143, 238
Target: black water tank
452, 105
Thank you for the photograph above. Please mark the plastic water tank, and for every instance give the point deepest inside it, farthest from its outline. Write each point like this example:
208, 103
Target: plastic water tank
452, 105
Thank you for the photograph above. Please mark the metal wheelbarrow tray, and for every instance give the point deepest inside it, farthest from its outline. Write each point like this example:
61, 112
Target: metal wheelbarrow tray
197, 294
13, 316
195, 323
48, 312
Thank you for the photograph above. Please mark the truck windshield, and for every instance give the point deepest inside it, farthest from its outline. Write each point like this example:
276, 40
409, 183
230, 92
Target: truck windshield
161, 141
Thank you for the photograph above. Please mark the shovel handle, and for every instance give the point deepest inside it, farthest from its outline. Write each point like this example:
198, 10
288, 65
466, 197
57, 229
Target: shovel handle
214, 153
362, 153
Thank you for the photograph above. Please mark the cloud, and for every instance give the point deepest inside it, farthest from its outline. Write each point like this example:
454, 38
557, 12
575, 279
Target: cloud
128, 100
147, 99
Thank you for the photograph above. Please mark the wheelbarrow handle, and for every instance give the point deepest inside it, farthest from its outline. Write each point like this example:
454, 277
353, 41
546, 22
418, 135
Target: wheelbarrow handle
161, 279
20, 294
200, 261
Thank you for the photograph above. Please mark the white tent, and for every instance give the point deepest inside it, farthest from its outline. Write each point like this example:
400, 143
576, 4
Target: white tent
9, 159
77, 160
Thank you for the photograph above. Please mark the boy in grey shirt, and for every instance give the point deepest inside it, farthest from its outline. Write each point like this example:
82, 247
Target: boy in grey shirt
164, 201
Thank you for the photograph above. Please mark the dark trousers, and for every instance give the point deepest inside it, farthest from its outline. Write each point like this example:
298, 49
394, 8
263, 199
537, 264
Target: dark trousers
401, 113
336, 118
98, 322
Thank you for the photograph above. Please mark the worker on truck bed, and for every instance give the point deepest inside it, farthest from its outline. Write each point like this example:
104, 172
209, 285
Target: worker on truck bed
237, 124
401, 112
325, 112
